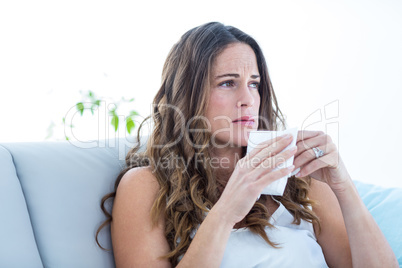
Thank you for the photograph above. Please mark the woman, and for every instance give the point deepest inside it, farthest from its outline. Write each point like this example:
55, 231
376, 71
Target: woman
190, 198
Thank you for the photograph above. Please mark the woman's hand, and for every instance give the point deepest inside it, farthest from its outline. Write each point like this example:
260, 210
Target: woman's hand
251, 175
328, 168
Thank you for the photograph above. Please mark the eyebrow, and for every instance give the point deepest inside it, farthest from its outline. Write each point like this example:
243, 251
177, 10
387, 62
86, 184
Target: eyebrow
235, 76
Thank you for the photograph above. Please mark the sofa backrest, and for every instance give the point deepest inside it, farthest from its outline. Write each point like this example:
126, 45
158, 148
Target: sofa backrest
50, 195
18, 246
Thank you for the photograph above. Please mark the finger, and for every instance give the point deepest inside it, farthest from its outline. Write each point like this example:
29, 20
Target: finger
306, 157
271, 150
271, 163
315, 141
269, 178
317, 164
308, 134
309, 155
263, 145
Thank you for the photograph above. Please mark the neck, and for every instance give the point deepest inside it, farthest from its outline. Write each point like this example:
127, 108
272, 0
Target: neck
224, 160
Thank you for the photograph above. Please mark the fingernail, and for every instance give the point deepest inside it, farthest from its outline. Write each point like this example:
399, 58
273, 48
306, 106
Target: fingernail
298, 174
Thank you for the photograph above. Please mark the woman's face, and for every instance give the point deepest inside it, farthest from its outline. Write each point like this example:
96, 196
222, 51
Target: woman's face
234, 98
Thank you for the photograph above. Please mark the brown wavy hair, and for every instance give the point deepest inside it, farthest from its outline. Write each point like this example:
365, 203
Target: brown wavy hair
189, 189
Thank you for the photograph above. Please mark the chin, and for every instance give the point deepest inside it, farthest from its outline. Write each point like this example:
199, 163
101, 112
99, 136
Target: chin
235, 138
240, 142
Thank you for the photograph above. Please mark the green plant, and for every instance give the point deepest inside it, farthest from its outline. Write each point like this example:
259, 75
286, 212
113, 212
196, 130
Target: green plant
91, 102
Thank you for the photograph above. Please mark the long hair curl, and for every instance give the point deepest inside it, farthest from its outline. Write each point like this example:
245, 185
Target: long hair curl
179, 158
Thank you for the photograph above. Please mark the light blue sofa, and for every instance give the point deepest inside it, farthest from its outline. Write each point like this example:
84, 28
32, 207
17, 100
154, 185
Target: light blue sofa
50, 194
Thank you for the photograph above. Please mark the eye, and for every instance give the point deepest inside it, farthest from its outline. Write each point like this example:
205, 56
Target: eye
227, 84
255, 85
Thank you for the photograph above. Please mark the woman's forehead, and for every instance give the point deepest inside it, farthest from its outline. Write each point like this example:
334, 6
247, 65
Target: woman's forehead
235, 58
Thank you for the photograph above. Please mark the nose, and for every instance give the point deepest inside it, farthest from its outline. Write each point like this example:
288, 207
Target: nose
245, 98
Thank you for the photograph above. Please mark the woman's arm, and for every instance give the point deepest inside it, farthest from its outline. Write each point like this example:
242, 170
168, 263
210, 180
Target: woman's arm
333, 237
367, 244
349, 230
137, 244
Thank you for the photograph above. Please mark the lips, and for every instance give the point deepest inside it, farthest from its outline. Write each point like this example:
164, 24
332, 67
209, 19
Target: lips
245, 120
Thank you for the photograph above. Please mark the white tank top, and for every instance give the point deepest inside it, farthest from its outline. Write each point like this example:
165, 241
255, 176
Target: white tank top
299, 247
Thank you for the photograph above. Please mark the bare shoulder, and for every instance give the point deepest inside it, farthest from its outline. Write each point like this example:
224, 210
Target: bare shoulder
333, 238
139, 179
136, 241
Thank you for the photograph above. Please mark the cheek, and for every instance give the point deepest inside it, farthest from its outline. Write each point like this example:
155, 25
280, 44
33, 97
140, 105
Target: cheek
257, 102
257, 107
219, 109
218, 104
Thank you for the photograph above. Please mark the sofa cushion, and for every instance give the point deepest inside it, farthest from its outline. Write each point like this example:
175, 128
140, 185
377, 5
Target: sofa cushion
18, 246
385, 205
63, 185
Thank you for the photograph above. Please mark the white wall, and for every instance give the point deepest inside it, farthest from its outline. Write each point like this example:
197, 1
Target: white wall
345, 55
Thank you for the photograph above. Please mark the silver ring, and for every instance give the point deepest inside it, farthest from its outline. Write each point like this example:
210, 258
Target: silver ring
318, 152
